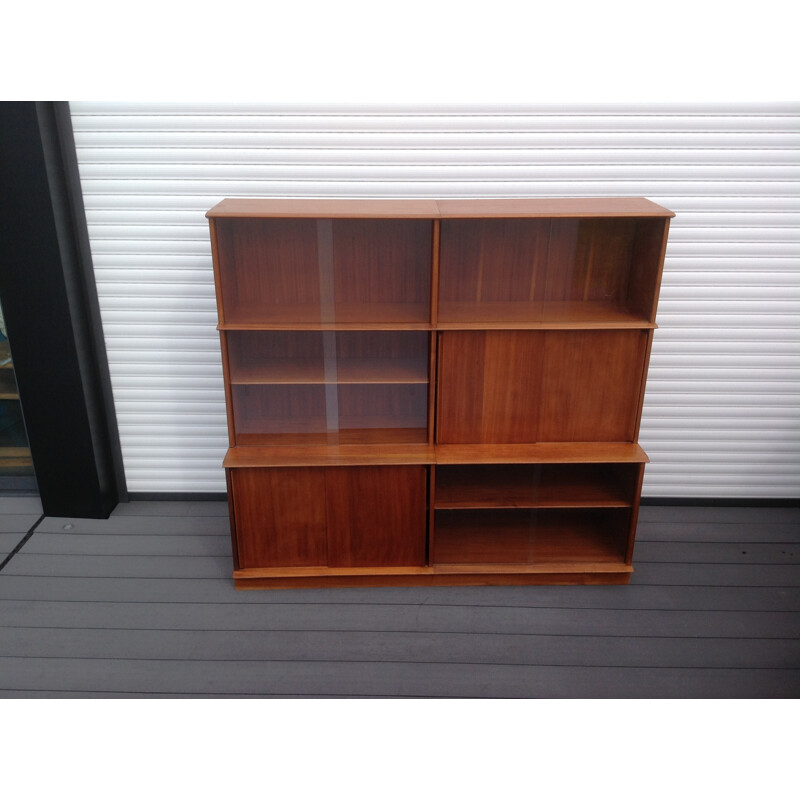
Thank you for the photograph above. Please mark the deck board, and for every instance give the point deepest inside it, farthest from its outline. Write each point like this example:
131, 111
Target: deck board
143, 605
8, 541
396, 679
411, 647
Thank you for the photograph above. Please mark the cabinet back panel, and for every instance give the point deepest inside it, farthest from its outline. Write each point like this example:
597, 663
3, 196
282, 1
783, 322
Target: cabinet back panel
268, 270
497, 260
389, 345
380, 266
274, 355
278, 409
527, 270
383, 406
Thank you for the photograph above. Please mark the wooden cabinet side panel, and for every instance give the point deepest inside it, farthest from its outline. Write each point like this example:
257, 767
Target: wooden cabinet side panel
647, 266
376, 516
280, 516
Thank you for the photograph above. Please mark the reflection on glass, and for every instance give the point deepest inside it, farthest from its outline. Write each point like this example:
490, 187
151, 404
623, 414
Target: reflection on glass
15, 455
548, 271
329, 387
325, 271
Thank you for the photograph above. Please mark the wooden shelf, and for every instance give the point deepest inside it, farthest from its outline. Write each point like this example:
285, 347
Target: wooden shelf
537, 315
312, 325
544, 453
535, 486
369, 316
353, 370
514, 536
335, 454
435, 392
307, 413
353, 435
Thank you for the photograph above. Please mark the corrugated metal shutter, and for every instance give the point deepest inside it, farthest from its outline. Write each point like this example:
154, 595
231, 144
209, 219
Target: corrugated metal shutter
721, 411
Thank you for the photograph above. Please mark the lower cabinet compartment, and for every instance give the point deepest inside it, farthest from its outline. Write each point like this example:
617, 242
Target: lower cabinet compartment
535, 485
360, 516
438, 524
531, 536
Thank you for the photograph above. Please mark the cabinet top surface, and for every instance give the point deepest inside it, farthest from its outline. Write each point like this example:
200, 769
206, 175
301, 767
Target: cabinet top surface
438, 209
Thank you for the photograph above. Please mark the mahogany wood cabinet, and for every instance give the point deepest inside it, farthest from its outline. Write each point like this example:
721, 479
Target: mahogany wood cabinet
435, 391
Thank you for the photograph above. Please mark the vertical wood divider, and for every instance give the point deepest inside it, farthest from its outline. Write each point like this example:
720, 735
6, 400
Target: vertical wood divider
431, 514
432, 388
434, 317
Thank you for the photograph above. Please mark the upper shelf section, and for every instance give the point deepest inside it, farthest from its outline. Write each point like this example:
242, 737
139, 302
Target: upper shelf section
402, 264
314, 271
550, 271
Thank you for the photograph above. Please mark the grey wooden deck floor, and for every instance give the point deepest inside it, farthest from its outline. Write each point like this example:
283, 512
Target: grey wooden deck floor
142, 605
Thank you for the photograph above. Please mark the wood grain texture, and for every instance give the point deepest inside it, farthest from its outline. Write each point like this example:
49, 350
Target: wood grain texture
280, 516
541, 314
334, 208
528, 386
548, 271
531, 536
551, 207
267, 269
382, 270
431, 209
536, 485
590, 385
489, 386
441, 576
493, 261
541, 453
647, 266
553, 315
341, 455
376, 516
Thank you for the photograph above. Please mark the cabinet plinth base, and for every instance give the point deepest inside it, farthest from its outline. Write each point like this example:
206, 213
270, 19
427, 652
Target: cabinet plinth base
443, 575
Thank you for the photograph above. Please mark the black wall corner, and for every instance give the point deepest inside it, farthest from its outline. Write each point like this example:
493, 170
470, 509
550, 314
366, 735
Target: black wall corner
52, 315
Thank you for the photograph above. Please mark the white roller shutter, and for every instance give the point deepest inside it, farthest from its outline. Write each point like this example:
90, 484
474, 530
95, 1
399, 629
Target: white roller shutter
721, 411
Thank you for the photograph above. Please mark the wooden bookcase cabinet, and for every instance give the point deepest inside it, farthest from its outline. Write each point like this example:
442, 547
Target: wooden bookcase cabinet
435, 392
